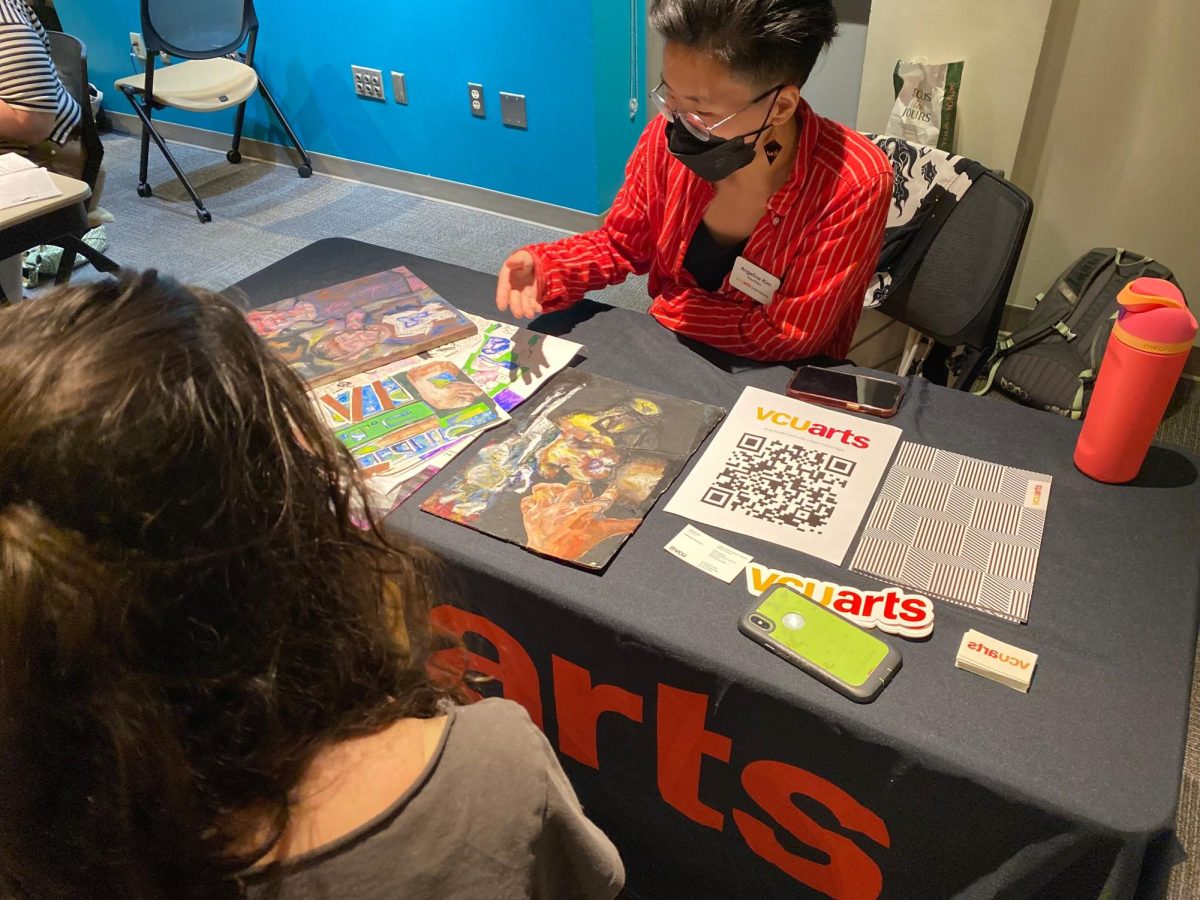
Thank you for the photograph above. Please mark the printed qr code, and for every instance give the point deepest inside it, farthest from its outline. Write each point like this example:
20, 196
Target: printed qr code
779, 482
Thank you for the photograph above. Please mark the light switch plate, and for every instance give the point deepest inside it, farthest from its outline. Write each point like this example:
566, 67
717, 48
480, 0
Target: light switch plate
512, 110
399, 90
475, 93
368, 82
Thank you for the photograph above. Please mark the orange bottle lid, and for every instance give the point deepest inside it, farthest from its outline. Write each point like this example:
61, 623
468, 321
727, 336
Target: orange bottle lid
1154, 317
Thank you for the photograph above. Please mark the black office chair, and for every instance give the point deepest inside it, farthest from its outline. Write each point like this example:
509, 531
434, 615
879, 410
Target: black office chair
70, 59
955, 285
208, 34
46, 14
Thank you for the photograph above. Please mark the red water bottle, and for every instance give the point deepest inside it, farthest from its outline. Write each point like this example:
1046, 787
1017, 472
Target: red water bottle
1146, 352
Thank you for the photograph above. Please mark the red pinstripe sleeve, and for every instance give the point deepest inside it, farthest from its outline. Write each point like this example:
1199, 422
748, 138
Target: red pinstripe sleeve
623, 245
817, 307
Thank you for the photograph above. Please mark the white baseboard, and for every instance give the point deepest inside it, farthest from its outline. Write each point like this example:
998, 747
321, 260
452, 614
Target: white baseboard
514, 207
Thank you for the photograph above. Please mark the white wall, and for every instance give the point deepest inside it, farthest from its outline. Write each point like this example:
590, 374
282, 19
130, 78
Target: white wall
1111, 153
999, 41
834, 86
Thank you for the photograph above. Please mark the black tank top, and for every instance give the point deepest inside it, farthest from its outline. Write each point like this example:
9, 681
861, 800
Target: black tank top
708, 261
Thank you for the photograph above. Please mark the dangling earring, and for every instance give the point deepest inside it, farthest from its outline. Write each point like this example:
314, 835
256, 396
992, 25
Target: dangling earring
772, 149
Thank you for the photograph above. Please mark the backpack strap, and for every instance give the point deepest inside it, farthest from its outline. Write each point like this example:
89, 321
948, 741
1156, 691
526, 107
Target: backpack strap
1096, 343
1128, 259
1071, 285
993, 365
1077, 403
1061, 327
1006, 346
1074, 282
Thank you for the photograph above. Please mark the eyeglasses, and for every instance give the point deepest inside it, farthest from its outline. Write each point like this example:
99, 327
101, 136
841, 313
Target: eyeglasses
692, 122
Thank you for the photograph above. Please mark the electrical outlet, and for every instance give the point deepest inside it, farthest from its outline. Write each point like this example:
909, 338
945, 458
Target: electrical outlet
512, 110
137, 46
368, 82
475, 93
399, 91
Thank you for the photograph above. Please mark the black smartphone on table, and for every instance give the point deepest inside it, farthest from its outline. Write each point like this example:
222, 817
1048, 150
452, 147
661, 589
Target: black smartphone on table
845, 390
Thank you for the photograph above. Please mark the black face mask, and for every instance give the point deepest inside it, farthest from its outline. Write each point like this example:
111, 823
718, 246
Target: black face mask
716, 158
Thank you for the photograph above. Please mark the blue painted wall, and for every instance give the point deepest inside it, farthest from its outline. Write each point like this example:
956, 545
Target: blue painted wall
571, 58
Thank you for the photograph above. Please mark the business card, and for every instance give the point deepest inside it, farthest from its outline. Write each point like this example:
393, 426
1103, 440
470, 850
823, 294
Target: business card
708, 554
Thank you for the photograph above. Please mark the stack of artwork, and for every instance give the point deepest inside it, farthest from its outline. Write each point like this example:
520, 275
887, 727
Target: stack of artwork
403, 378
406, 382
509, 363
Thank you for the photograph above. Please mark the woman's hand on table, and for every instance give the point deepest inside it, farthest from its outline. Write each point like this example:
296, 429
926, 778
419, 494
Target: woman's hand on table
517, 287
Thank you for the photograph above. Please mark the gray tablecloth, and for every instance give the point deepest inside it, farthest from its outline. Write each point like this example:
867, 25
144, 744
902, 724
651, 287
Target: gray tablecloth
983, 790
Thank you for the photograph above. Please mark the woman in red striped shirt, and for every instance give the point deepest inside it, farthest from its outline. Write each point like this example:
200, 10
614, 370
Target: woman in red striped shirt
758, 221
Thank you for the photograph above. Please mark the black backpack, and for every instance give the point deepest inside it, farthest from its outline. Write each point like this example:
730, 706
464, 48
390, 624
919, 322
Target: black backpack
1053, 361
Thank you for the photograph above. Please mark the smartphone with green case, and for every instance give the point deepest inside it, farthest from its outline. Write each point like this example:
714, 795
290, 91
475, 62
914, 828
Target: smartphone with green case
827, 646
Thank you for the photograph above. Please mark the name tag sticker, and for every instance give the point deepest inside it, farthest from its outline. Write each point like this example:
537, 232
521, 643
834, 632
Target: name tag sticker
753, 281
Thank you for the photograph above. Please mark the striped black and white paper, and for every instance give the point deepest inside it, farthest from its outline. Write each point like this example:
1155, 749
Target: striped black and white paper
957, 528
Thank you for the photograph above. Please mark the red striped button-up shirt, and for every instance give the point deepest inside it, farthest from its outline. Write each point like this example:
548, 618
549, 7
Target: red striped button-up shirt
820, 237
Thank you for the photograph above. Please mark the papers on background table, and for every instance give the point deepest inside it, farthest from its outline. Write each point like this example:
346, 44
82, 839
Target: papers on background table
788, 472
508, 363
23, 182
959, 529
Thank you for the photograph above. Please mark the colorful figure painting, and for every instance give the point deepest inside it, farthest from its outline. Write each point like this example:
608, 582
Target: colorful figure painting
587, 463
509, 363
394, 418
359, 325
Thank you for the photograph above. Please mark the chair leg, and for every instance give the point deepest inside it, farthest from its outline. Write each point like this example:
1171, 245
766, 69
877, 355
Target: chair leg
144, 159
305, 167
66, 264
148, 133
11, 290
234, 155
972, 362
73, 245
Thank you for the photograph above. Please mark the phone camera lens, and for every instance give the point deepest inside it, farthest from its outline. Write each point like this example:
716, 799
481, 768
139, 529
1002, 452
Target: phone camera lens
760, 622
794, 621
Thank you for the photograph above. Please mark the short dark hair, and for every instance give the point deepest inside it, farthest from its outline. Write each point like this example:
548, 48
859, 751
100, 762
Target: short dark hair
767, 42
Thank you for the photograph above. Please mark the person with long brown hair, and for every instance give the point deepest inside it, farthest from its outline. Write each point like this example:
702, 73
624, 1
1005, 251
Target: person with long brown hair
212, 683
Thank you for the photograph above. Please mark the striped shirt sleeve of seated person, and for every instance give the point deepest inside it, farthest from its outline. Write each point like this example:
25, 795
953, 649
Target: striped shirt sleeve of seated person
820, 236
28, 79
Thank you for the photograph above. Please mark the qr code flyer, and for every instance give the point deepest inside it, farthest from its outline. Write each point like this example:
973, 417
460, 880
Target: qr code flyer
788, 472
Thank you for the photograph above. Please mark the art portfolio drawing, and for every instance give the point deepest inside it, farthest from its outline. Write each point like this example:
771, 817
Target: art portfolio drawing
509, 363
358, 325
587, 462
395, 418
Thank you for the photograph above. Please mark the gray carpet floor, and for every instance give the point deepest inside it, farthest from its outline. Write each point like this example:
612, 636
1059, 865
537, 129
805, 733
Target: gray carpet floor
261, 213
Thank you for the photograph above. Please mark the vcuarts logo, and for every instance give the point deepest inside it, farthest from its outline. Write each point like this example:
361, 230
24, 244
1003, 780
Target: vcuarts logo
796, 423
